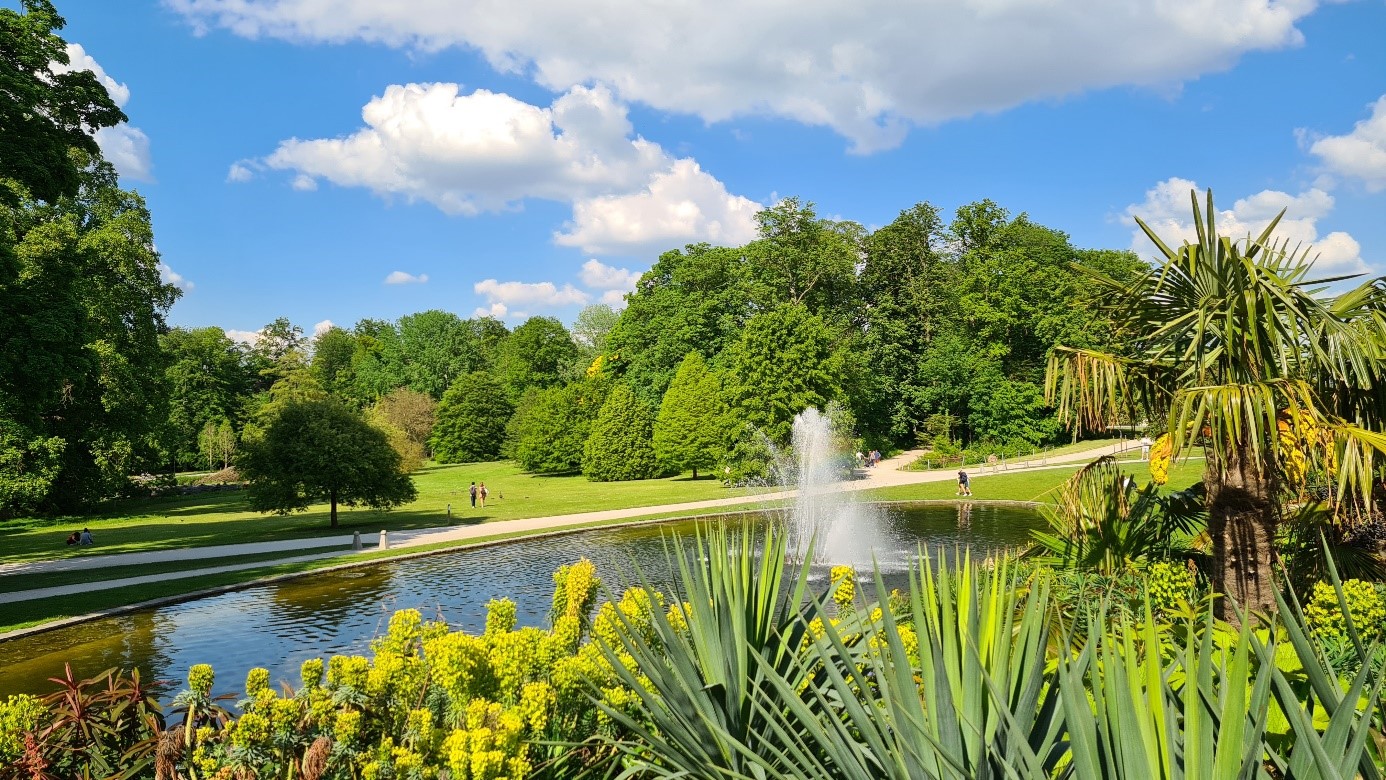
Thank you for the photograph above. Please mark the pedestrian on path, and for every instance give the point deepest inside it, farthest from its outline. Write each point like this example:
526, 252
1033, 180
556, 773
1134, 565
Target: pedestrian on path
472, 491
483, 492
964, 484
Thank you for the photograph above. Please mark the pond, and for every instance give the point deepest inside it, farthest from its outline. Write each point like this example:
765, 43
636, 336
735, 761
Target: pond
280, 625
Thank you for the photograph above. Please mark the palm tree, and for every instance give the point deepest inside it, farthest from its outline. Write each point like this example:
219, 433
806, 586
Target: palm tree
1239, 349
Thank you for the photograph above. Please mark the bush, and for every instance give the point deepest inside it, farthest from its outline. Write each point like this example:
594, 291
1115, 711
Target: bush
1365, 604
471, 420
620, 446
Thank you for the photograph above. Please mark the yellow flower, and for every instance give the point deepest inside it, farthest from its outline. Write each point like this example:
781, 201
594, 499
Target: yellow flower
1161, 453
256, 680
500, 616
844, 580
311, 672
200, 678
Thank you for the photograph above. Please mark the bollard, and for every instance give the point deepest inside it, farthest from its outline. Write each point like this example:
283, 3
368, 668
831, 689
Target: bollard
356, 540
384, 540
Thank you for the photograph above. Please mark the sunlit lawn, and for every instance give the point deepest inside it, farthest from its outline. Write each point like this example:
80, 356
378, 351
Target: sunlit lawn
226, 518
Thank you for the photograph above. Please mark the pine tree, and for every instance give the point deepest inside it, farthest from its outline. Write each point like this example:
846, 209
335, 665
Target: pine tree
471, 420
691, 429
620, 446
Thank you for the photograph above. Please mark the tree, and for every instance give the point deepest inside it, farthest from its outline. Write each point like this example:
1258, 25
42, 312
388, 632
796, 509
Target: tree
411, 411
217, 443
321, 450
783, 364
1235, 345
549, 429
471, 420
591, 331
436, 348
803, 260
333, 350
691, 430
80, 320
619, 447
47, 110
535, 355
208, 381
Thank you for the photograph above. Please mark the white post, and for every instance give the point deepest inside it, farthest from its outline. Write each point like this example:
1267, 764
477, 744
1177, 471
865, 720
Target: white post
384, 540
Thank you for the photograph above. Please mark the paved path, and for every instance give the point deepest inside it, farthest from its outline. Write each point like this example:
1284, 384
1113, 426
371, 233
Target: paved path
886, 474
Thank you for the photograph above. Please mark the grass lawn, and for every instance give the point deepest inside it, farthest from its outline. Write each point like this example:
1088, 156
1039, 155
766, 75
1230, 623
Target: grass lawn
1027, 485
17, 582
225, 517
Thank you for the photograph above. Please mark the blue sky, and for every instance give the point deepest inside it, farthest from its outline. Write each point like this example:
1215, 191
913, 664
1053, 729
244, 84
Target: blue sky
528, 156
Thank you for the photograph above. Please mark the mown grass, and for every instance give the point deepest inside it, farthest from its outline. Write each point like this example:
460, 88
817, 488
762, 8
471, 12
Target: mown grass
16, 582
226, 518
1027, 485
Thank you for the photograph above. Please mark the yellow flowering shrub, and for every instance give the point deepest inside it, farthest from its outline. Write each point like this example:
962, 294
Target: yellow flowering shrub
1161, 454
18, 714
1365, 603
1169, 585
844, 582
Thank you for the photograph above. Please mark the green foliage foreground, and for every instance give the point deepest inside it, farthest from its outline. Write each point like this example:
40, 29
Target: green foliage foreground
743, 672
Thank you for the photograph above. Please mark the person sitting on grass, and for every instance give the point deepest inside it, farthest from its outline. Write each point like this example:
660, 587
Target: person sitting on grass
74, 538
85, 539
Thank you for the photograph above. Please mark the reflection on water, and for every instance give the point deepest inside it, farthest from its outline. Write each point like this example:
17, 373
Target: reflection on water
283, 624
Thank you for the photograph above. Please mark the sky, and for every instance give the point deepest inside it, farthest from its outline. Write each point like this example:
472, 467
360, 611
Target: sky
332, 160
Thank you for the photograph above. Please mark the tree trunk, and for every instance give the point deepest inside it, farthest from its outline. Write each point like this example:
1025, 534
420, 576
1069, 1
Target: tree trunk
1242, 516
334, 507
695, 472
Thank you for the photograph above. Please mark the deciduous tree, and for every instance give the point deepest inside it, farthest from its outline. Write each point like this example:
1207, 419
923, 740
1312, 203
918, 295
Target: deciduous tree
620, 446
471, 420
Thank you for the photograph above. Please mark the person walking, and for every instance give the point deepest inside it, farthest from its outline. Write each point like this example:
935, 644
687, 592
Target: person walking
472, 491
964, 484
484, 492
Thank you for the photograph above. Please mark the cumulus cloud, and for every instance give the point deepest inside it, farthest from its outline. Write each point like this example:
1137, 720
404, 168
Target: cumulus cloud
503, 297
240, 172
483, 151
169, 276
323, 327
401, 277
868, 70
248, 337
680, 205
124, 146
1167, 210
601, 276
1360, 154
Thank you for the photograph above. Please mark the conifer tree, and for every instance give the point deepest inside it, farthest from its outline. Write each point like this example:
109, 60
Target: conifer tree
691, 429
620, 446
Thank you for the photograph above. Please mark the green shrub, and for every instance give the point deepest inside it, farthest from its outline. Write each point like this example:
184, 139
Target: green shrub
1365, 603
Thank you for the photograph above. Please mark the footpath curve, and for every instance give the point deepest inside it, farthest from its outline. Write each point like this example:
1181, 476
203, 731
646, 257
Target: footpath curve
887, 474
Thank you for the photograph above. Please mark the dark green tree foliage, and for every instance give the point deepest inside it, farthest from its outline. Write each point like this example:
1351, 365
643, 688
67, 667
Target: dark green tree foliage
692, 429
620, 446
549, 430
331, 366
436, 347
695, 300
208, 380
471, 420
44, 115
376, 365
536, 354
783, 364
79, 337
803, 260
314, 451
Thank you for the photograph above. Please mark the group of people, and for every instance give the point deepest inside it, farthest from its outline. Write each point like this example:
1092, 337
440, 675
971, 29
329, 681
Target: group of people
81, 538
869, 460
478, 493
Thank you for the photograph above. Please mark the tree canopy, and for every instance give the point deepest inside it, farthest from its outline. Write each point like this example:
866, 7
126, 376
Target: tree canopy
471, 420
320, 450
692, 429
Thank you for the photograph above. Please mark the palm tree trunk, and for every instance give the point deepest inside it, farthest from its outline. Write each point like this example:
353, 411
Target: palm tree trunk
1242, 517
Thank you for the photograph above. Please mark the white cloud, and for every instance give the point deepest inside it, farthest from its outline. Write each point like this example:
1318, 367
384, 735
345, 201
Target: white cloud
305, 183
323, 327
169, 276
1169, 212
616, 299
240, 172
597, 274
400, 277
502, 297
1360, 154
680, 205
483, 151
869, 69
124, 146
247, 337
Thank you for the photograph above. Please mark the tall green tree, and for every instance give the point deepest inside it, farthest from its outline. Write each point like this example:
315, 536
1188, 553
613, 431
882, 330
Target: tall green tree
333, 350
537, 354
436, 347
79, 334
208, 381
471, 420
410, 411
314, 451
803, 260
692, 429
47, 111
376, 366
1231, 341
783, 364
549, 429
620, 446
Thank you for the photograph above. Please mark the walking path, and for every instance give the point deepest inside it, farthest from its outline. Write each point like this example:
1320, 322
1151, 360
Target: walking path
887, 474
